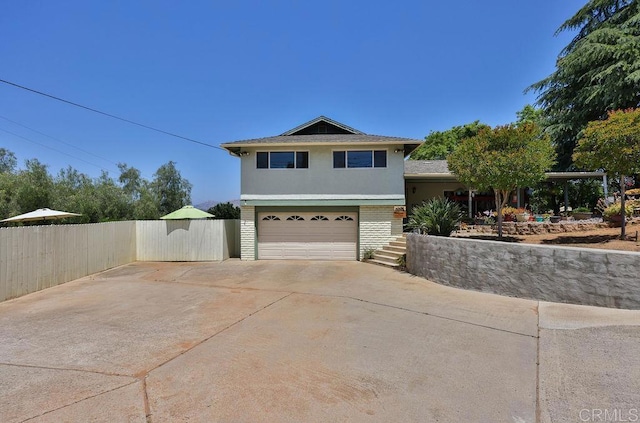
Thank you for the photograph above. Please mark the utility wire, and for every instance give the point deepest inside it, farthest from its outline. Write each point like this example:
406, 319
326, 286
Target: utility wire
110, 115
54, 149
58, 139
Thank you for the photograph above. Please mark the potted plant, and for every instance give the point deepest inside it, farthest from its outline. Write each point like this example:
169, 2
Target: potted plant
522, 214
582, 213
508, 213
555, 219
613, 214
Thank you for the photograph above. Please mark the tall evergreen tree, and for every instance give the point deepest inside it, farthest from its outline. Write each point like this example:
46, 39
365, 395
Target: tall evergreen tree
598, 71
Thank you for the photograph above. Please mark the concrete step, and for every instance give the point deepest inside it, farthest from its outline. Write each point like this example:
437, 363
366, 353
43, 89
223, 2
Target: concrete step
394, 249
397, 244
390, 259
382, 263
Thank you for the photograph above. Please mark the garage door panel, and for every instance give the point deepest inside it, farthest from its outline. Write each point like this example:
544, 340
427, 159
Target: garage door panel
309, 237
304, 251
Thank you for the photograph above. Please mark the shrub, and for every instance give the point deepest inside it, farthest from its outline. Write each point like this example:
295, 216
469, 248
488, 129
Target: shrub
582, 210
368, 253
616, 208
402, 262
437, 216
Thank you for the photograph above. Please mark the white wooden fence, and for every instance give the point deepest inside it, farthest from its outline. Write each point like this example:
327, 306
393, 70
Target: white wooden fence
187, 240
38, 257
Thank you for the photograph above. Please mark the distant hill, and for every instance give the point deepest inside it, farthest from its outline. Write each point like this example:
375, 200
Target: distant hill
206, 205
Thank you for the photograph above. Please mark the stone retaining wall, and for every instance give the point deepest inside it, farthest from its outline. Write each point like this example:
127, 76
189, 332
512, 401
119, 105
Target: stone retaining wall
535, 228
559, 274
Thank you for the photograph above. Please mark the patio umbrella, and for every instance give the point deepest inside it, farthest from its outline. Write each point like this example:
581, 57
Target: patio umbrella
187, 212
40, 214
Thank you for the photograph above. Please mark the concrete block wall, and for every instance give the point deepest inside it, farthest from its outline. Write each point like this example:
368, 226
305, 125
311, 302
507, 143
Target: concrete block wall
247, 233
560, 274
378, 227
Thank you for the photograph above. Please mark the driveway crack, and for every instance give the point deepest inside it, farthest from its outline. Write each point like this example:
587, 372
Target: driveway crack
31, 366
80, 400
425, 313
219, 332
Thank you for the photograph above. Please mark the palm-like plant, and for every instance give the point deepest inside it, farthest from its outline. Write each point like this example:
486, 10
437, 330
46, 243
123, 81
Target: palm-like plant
437, 216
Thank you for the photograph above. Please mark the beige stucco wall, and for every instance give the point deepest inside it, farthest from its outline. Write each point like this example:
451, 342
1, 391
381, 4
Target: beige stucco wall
428, 190
321, 177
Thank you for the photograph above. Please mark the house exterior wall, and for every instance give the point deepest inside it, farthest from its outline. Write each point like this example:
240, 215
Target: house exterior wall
427, 190
247, 233
377, 227
321, 177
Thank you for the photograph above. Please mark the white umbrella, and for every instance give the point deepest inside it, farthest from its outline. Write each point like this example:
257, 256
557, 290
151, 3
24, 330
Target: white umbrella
40, 214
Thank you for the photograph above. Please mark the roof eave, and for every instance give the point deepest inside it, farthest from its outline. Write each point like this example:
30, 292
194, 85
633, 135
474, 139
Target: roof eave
238, 144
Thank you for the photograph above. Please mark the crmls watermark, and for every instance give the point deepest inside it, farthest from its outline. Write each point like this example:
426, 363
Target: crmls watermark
609, 415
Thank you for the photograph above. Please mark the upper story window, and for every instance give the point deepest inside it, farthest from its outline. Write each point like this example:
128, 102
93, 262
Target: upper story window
282, 160
359, 158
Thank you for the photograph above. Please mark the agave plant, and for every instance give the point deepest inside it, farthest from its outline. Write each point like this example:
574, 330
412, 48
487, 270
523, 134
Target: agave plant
437, 216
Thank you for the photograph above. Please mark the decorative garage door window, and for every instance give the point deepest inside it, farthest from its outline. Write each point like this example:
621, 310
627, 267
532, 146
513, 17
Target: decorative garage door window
344, 218
271, 218
295, 218
319, 218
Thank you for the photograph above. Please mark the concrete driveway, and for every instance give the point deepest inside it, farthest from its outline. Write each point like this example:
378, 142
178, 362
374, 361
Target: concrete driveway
307, 341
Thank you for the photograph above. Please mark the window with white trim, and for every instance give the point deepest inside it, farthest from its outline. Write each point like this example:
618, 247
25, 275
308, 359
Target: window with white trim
359, 159
282, 160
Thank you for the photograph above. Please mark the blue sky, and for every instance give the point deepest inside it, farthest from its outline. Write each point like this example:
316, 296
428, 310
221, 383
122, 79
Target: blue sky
221, 71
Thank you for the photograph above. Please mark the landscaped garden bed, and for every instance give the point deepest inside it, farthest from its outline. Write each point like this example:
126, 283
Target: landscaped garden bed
538, 228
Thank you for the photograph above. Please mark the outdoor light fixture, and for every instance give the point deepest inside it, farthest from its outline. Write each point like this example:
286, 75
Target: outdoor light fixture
243, 153
398, 150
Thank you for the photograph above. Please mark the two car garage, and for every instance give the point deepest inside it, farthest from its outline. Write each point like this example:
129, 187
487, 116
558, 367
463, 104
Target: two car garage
307, 235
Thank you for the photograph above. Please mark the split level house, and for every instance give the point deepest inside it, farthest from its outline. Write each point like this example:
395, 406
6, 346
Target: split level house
322, 190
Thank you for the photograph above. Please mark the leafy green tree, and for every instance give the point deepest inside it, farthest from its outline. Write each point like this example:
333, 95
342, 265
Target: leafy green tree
8, 185
131, 180
34, 187
614, 146
439, 144
8, 161
170, 189
74, 191
598, 71
503, 159
112, 200
530, 114
225, 211
146, 206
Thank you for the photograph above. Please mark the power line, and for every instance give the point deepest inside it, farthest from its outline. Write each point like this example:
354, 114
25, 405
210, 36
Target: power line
110, 115
54, 149
58, 139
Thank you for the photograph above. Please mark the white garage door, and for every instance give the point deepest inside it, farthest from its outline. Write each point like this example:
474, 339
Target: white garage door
307, 235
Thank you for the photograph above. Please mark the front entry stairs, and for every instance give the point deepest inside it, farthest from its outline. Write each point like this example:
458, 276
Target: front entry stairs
390, 253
